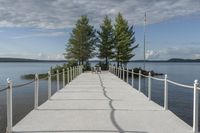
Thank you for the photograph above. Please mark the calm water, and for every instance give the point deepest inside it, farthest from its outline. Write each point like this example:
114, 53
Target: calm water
22, 97
180, 99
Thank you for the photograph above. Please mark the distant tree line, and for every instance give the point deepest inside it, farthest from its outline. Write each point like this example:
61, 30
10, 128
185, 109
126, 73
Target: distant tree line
110, 42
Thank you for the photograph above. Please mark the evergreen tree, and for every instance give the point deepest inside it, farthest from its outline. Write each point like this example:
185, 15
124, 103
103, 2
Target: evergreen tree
105, 38
81, 44
124, 38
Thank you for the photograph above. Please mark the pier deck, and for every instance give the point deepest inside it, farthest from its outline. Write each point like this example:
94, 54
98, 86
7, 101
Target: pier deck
100, 103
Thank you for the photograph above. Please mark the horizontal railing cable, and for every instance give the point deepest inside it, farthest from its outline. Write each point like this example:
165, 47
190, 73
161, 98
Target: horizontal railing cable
159, 79
1, 90
24, 84
179, 84
144, 75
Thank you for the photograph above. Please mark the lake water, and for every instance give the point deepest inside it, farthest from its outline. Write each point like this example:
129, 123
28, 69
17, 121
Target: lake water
180, 99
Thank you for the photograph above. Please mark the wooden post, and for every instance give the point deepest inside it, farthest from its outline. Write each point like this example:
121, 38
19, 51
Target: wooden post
49, 85
149, 86
36, 91
195, 107
165, 94
9, 107
139, 81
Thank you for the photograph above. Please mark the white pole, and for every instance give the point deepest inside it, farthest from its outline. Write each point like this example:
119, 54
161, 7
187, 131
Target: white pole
127, 75
36, 91
139, 81
9, 107
49, 84
144, 40
132, 78
63, 78
58, 84
149, 86
165, 93
195, 107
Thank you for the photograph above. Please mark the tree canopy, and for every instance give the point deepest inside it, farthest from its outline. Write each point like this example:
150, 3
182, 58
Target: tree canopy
105, 39
124, 38
81, 44
114, 42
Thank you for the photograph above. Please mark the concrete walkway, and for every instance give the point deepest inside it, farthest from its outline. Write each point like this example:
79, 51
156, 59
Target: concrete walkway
101, 103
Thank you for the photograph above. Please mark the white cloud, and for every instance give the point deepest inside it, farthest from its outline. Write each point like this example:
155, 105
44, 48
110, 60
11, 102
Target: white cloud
54, 14
41, 34
174, 52
40, 56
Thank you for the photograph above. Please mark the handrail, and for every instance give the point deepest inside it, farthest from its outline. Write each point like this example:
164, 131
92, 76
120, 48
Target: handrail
144, 75
24, 84
4, 89
159, 79
72, 72
179, 84
195, 88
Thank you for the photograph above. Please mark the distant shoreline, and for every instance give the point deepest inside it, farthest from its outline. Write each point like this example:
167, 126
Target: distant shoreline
4, 60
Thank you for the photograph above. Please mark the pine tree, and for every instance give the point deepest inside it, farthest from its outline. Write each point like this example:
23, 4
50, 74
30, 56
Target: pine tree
81, 44
124, 38
105, 38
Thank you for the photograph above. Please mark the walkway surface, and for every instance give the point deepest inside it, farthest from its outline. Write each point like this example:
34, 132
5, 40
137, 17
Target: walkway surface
100, 103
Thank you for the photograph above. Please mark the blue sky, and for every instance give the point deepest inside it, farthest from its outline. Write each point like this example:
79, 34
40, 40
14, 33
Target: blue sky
40, 29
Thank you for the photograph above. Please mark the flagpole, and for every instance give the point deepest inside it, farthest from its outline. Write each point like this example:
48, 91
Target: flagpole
144, 41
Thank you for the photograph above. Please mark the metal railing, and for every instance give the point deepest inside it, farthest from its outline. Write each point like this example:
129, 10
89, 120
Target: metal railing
120, 72
72, 73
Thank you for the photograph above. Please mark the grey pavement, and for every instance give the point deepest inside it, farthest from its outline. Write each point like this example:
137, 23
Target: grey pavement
100, 103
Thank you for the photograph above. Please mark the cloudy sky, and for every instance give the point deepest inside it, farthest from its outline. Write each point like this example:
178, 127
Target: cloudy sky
40, 29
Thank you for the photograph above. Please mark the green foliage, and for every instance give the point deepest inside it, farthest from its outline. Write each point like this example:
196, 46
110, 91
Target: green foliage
81, 44
124, 38
105, 39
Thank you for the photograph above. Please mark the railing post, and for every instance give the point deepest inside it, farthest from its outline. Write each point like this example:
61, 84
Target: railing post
67, 75
195, 107
36, 91
63, 78
149, 86
70, 73
127, 75
49, 85
123, 74
139, 81
165, 93
9, 107
132, 74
